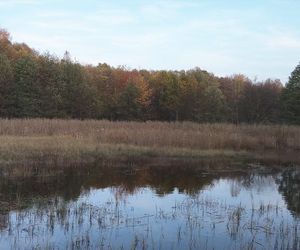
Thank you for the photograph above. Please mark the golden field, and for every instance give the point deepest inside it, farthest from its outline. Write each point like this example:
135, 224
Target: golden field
74, 141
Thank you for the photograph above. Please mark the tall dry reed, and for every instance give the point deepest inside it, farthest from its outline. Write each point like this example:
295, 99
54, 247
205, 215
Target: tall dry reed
161, 134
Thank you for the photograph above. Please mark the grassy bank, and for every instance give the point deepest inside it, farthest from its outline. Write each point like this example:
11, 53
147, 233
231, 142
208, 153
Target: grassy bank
74, 141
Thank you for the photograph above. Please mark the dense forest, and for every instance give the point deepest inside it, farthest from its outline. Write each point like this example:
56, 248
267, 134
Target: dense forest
41, 85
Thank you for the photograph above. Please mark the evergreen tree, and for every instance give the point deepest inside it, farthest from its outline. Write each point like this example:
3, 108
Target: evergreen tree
51, 91
77, 96
168, 95
212, 105
26, 89
6, 87
291, 98
128, 106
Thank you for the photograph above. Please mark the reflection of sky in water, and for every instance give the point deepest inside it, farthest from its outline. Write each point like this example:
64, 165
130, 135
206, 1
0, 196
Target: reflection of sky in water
210, 219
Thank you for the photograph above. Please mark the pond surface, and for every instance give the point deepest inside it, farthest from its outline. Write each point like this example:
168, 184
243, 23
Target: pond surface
151, 209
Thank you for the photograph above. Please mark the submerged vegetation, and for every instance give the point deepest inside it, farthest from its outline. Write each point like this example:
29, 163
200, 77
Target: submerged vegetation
67, 142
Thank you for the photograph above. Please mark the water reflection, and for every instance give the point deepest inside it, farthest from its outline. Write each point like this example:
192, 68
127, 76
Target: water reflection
150, 208
289, 187
70, 183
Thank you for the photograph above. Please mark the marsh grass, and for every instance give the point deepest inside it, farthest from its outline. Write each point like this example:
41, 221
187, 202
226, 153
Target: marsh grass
63, 141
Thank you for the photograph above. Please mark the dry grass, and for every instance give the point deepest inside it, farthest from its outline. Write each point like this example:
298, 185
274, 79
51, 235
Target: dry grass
89, 140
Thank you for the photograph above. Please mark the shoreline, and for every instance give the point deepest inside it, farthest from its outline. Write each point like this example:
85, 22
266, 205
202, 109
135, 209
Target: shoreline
68, 151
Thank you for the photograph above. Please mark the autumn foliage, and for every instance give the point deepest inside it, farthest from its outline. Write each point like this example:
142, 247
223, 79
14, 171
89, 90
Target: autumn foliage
42, 85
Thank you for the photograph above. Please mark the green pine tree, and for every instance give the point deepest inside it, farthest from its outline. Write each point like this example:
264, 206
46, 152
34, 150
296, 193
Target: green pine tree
291, 98
26, 91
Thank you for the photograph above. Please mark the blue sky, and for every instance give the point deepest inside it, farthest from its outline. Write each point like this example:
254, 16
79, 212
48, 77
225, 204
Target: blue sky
259, 38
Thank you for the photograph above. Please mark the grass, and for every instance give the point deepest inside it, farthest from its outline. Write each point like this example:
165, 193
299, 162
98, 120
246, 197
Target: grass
74, 141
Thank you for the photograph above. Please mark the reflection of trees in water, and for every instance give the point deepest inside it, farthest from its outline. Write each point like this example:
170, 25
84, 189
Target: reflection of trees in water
161, 181
4, 218
67, 185
71, 182
59, 189
289, 187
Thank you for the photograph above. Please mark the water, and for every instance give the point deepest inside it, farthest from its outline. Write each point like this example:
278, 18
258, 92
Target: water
151, 209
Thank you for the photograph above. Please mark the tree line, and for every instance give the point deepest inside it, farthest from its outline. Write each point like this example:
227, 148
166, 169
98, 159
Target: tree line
42, 85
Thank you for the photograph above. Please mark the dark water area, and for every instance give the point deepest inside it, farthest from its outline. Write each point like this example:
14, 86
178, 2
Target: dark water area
150, 208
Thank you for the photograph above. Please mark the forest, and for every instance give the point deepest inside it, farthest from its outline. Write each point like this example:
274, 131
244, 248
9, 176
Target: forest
36, 85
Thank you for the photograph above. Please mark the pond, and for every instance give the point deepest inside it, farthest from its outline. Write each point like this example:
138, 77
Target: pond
151, 208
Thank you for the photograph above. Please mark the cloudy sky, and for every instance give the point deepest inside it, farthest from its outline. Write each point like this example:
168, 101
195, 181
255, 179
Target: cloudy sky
259, 38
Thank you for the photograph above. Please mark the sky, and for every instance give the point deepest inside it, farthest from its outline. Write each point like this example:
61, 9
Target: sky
258, 38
